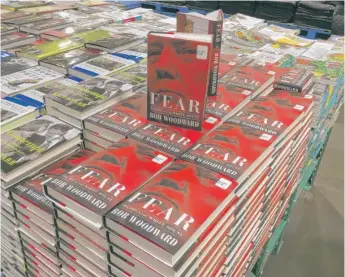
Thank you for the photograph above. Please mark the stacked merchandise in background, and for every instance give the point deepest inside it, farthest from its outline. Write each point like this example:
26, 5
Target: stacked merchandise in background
276, 11
203, 5
233, 7
338, 19
314, 14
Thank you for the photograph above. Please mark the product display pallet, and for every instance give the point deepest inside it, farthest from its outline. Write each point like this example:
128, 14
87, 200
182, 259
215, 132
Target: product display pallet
275, 243
164, 8
171, 10
308, 185
128, 5
273, 246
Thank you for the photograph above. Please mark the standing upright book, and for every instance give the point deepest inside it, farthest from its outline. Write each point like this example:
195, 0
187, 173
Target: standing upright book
95, 186
211, 23
178, 76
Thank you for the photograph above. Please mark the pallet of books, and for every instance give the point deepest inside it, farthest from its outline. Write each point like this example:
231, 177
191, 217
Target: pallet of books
194, 143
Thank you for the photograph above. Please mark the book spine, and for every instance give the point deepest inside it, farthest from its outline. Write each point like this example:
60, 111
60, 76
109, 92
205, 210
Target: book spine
217, 41
291, 87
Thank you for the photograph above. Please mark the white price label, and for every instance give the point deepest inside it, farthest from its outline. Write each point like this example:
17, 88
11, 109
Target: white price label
159, 159
298, 107
271, 72
266, 137
223, 183
246, 92
211, 120
308, 96
201, 52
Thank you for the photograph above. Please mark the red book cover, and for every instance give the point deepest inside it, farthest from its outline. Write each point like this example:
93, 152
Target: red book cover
248, 77
105, 179
32, 191
179, 203
271, 115
227, 98
171, 139
210, 24
124, 117
230, 61
225, 149
178, 74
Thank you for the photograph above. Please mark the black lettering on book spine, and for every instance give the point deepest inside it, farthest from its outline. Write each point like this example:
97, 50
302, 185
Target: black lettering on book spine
156, 231
217, 41
81, 194
35, 196
287, 87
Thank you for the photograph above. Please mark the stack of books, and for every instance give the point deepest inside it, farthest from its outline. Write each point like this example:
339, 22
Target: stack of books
75, 102
36, 217
12, 258
15, 113
90, 190
104, 128
32, 146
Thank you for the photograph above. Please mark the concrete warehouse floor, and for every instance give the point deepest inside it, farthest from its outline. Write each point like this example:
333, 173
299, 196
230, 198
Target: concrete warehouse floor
314, 238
